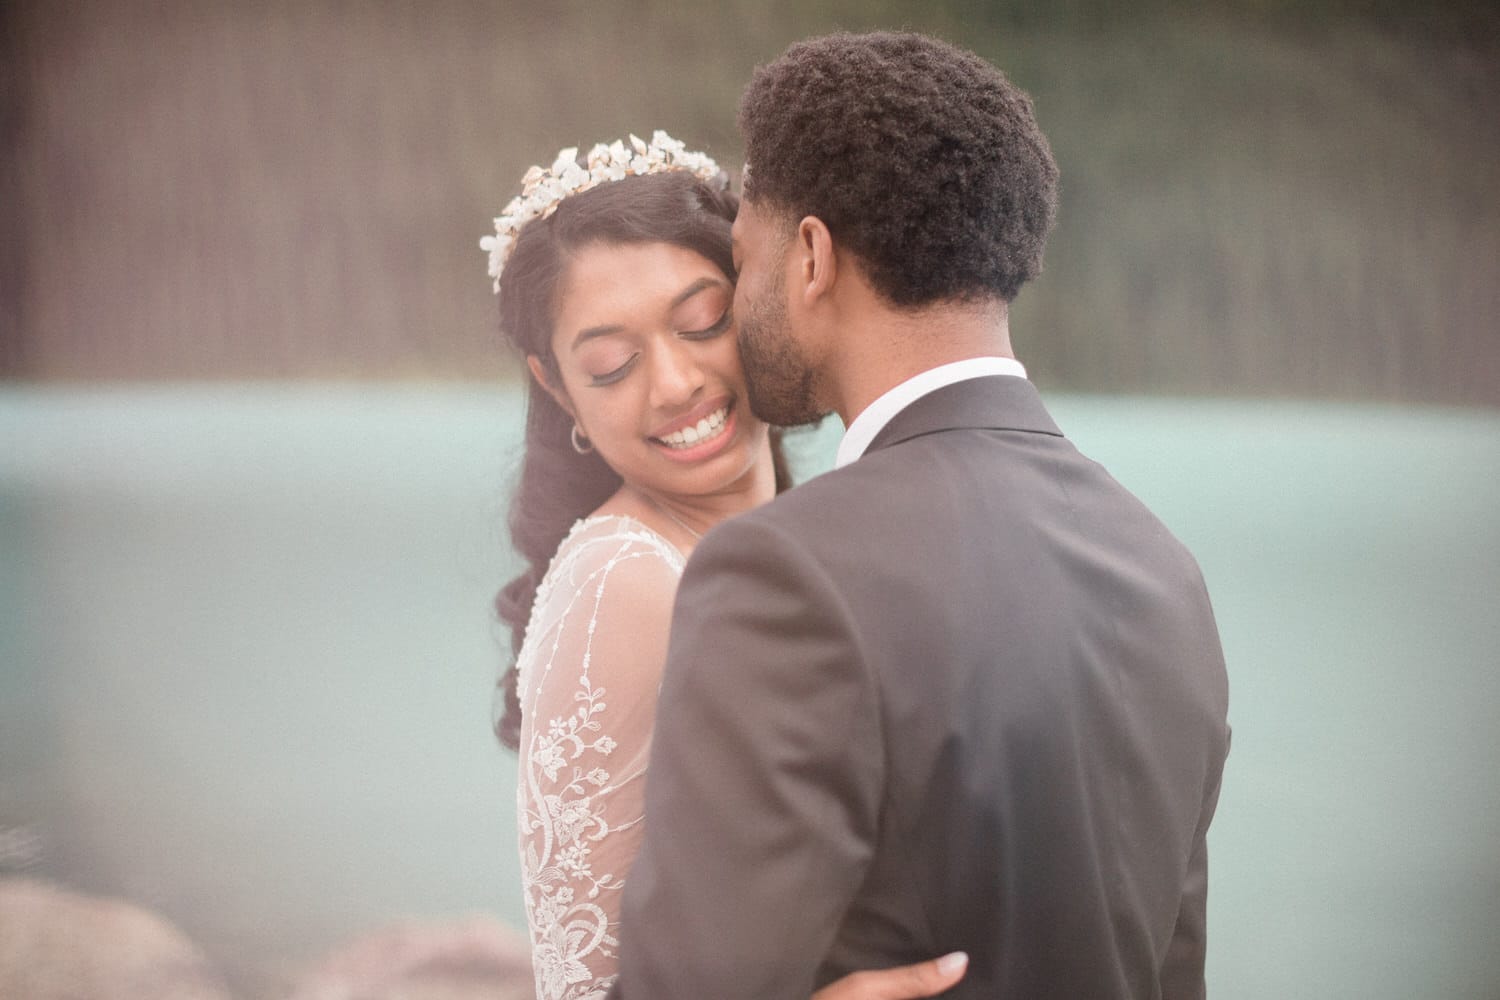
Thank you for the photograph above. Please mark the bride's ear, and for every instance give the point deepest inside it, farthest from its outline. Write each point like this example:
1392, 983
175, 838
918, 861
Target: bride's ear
539, 372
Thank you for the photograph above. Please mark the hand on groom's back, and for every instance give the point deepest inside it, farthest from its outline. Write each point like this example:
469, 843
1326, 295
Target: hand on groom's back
907, 982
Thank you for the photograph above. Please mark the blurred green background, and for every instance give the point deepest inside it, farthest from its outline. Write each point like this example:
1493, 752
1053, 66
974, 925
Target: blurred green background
257, 434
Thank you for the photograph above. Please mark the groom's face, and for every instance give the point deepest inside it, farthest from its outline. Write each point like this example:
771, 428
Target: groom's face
778, 377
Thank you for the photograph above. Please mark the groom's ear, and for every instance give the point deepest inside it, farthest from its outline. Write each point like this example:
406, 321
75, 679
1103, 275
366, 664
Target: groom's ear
818, 269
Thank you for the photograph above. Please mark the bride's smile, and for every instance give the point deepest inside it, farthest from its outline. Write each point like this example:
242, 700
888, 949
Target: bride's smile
699, 434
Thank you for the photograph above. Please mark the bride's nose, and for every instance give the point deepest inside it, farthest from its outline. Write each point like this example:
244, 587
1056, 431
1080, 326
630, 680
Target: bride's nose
676, 375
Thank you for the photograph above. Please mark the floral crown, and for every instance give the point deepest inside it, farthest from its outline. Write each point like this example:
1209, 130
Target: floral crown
542, 190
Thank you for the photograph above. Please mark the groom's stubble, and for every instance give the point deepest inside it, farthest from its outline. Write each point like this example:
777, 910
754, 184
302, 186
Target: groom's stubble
780, 382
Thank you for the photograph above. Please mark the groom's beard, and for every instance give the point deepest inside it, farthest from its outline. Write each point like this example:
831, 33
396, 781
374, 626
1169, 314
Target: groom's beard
777, 378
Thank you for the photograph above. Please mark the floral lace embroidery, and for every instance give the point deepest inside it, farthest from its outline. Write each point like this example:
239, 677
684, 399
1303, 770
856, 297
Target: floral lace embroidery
568, 782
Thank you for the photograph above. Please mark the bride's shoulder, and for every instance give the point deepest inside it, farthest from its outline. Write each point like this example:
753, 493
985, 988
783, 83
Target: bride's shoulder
610, 545
618, 533
609, 571
603, 611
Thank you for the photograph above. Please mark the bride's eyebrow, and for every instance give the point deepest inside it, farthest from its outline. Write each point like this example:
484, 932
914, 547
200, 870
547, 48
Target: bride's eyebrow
594, 332
694, 289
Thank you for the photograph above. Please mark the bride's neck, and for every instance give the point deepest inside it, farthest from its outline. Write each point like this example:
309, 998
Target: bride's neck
691, 515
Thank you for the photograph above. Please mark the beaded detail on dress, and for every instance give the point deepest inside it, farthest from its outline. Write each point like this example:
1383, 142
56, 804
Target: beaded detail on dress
588, 697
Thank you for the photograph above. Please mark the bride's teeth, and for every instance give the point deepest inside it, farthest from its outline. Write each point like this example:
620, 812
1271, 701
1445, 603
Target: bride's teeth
701, 431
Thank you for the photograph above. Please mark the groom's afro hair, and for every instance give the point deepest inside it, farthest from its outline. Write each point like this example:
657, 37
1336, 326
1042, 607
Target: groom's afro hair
920, 157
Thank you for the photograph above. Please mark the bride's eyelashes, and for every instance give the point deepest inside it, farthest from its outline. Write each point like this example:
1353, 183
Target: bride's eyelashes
610, 378
720, 325
707, 333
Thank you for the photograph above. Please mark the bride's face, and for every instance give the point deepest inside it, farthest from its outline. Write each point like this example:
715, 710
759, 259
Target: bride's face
645, 345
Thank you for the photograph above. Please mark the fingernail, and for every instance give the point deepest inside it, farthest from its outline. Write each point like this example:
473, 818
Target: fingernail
952, 962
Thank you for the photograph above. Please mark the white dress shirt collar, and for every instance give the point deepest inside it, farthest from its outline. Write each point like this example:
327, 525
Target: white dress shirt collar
874, 417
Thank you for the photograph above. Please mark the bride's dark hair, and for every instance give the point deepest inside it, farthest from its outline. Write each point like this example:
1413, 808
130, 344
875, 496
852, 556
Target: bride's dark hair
558, 485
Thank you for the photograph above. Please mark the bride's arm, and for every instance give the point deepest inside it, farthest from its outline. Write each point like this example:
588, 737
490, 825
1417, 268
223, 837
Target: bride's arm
588, 707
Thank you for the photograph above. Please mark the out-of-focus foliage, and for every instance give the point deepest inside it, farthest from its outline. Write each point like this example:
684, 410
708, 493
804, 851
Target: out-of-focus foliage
1277, 197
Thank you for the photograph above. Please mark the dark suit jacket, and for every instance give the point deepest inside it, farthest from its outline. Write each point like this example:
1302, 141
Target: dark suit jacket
964, 693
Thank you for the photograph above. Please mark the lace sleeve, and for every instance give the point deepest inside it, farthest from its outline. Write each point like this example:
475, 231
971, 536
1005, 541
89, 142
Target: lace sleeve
589, 677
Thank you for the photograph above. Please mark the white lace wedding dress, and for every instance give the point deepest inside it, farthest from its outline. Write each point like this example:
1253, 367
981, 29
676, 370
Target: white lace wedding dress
589, 672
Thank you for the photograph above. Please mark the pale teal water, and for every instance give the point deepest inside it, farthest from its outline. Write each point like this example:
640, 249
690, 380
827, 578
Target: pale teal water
245, 661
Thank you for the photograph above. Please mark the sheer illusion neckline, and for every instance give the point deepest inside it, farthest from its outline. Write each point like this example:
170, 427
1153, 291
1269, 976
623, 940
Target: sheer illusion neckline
583, 523
578, 540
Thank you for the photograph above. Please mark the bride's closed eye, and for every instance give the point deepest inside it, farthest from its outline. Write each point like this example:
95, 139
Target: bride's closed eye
707, 333
613, 375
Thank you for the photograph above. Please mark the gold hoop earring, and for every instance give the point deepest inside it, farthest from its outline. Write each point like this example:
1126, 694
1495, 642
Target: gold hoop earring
581, 444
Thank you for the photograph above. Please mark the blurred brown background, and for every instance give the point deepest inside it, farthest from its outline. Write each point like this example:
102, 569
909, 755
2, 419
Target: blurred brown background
1275, 198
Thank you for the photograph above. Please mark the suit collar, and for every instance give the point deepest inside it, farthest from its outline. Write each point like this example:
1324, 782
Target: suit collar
891, 402
995, 402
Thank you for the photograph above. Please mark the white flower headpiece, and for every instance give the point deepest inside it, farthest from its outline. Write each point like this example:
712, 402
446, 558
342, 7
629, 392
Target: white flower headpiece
542, 190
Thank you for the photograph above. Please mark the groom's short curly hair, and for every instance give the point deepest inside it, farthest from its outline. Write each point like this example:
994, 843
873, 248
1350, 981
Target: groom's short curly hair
920, 157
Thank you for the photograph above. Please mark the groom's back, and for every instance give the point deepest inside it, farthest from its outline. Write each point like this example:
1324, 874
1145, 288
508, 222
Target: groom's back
965, 693
1052, 706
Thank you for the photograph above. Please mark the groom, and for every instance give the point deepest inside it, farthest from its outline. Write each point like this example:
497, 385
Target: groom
964, 692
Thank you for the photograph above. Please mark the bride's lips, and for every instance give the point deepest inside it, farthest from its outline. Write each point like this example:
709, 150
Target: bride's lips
716, 441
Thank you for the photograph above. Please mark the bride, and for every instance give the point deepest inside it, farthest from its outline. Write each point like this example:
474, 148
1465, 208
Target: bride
615, 282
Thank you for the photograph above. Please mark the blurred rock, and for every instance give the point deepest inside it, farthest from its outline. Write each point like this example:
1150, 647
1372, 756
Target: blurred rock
479, 958
60, 945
